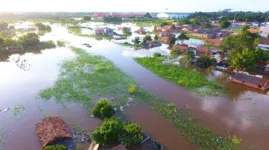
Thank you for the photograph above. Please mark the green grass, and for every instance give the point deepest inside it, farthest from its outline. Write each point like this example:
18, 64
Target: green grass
187, 78
126, 44
85, 78
195, 37
80, 84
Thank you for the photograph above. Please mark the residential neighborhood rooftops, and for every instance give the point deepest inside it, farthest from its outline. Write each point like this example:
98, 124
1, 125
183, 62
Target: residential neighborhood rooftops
264, 41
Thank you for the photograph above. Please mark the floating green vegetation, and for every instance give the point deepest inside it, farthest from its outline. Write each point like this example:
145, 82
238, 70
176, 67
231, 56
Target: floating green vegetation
61, 43
18, 109
186, 123
2, 141
86, 78
126, 44
184, 77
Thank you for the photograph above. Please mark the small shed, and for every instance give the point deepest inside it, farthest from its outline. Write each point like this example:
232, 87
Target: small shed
251, 81
52, 129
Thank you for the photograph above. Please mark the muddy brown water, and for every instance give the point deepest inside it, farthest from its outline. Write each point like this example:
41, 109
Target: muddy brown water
241, 110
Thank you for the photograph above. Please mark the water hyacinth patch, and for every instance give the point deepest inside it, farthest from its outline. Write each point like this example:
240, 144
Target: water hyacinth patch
187, 78
85, 78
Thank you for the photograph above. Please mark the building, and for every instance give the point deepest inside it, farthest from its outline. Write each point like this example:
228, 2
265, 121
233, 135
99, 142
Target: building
264, 44
251, 81
104, 31
264, 31
99, 16
52, 129
172, 15
151, 44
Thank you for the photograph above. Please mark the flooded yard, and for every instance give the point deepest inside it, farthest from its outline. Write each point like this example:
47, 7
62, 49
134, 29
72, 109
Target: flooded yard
239, 110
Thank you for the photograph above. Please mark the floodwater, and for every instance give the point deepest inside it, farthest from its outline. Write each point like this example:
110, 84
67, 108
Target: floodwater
240, 110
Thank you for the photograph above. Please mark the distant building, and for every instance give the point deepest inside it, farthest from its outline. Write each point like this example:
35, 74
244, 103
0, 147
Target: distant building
104, 31
172, 15
264, 31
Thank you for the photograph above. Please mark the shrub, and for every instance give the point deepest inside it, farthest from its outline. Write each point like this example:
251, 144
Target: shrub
103, 109
205, 61
55, 147
157, 55
61, 43
112, 131
131, 134
107, 133
132, 89
175, 52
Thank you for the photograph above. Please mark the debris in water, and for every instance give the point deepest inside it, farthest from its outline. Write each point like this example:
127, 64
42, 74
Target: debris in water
5, 110
121, 108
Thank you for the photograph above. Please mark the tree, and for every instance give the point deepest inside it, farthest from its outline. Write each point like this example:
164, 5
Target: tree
207, 25
182, 37
103, 109
86, 18
261, 55
225, 24
155, 55
137, 40
156, 37
195, 21
11, 27
184, 21
108, 132
257, 41
173, 27
131, 134
48, 28
171, 41
126, 31
164, 24
175, 51
187, 58
30, 39
147, 38
147, 15
241, 60
205, 61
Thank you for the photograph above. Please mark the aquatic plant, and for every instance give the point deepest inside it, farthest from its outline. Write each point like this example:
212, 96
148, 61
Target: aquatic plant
187, 78
103, 109
85, 78
61, 43
55, 147
132, 89
157, 55
17, 109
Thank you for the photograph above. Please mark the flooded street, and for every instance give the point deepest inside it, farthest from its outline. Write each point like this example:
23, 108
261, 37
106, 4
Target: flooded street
240, 110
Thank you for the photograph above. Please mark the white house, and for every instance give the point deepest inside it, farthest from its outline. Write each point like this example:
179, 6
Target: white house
172, 15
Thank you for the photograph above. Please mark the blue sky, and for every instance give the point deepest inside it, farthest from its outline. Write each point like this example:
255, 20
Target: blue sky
134, 6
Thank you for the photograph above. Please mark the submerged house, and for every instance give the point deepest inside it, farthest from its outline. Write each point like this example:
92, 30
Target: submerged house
104, 31
251, 81
151, 44
141, 31
52, 129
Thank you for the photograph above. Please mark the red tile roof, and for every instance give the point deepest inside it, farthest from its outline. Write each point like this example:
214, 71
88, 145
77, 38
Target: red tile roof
265, 41
100, 15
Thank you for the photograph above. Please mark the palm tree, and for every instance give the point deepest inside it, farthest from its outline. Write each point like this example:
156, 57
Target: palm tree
182, 37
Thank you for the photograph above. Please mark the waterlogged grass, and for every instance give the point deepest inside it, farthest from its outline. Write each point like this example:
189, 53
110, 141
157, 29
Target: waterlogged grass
85, 78
18, 109
126, 44
184, 77
198, 134
2, 141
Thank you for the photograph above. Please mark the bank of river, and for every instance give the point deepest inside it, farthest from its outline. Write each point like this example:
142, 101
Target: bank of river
243, 117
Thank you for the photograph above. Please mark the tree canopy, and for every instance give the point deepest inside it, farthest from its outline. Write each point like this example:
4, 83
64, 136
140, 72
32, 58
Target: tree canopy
182, 37
241, 60
205, 61
103, 109
147, 38
130, 134
225, 24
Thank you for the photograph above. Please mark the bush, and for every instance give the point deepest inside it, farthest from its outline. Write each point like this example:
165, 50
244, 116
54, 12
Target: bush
103, 109
107, 133
132, 89
55, 147
175, 52
131, 134
157, 55
112, 131
205, 61
61, 43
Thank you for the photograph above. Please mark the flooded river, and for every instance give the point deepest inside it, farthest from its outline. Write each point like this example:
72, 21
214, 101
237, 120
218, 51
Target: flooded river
240, 110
